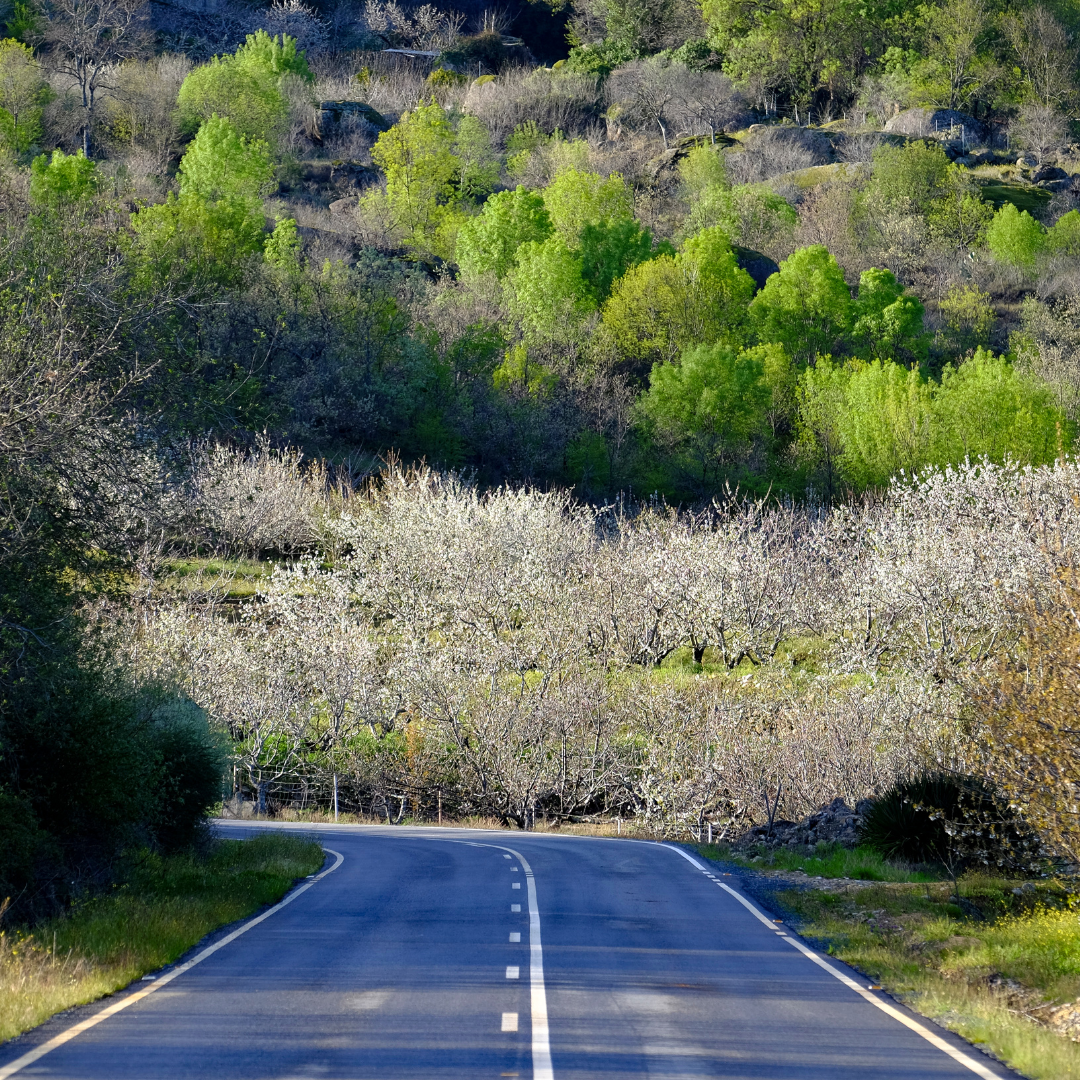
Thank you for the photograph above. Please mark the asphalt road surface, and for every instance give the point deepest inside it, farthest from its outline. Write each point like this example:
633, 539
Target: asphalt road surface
429, 954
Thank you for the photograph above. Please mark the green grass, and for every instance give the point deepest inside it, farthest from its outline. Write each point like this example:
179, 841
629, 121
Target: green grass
242, 575
951, 964
826, 861
163, 908
1022, 196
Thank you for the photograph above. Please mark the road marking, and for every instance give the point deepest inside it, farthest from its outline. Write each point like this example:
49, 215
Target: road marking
515, 936
508, 1014
515, 907
977, 1067
509, 1023
513, 971
516, 885
56, 1041
513, 869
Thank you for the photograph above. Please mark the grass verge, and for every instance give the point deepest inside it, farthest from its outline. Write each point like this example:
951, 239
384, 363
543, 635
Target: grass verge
160, 911
825, 861
1001, 968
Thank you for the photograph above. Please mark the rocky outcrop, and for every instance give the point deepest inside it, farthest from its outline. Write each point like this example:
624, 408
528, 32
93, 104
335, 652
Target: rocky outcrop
946, 124
334, 114
759, 267
836, 823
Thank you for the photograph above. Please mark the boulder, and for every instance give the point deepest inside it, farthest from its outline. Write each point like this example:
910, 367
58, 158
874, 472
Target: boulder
1049, 172
759, 267
946, 124
836, 823
343, 206
332, 114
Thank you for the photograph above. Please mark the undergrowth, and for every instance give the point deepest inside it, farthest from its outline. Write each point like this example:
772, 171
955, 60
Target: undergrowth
162, 908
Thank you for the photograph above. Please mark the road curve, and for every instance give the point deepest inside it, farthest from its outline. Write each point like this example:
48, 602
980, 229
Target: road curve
418, 958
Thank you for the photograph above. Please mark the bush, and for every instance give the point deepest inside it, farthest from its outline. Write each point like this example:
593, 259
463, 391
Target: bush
957, 821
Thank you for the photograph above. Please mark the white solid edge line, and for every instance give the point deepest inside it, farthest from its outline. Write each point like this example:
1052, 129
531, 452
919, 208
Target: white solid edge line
541, 1039
56, 1041
959, 1056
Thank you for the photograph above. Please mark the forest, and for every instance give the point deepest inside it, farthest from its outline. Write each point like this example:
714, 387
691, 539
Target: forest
626, 407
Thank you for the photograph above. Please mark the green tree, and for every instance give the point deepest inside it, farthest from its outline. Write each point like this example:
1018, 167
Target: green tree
802, 48
479, 168
668, 304
958, 63
608, 249
708, 407
489, 242
888, 321
23, 95
886, 423
1016, 238
417, 157
1063, 237
985, 407
822, 405
220, 163
245, 88
549, 296
62, 179
575, 198
204, 236
806, 307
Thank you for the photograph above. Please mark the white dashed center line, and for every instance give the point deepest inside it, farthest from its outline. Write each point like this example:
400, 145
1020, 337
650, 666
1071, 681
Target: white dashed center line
516, 885
515, 936
508, 1014
509, 1022
513, 972
515, 907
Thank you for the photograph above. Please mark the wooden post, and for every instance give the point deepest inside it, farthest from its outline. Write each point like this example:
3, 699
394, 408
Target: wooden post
440, 805
335, 798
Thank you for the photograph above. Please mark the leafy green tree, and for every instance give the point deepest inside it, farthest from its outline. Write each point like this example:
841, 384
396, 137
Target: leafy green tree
822, 404
204, 236
886, 423
245, 88
1016, 238
273, 55
417, 157
888, 321
668, 304
958, 63
489, 242
479, 169
802, 48
806, 307
220, 163
1063, 237
23, 95
575, 198
549, 295
608, 249
708, 407
62, 179
985, 407
282, 248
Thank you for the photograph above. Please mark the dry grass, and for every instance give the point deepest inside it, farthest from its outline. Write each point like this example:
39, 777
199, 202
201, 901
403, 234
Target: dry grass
164, 908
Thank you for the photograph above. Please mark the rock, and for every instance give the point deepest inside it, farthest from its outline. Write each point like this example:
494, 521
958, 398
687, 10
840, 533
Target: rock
836, 823
966, 160
332, 114
1025, 161
947, 124
343, 206
1049, 172
759, 267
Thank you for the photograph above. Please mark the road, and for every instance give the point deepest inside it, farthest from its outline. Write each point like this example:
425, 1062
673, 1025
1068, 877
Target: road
429, 954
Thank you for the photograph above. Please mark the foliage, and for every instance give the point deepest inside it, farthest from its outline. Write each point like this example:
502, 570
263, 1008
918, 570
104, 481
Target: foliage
489, 241
418, 159
1015, 237
575, 198
62, 179
245, 87
806, 307
23, 94
710, 405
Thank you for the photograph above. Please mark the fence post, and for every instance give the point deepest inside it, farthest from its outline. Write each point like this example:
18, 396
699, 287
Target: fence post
335, 798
